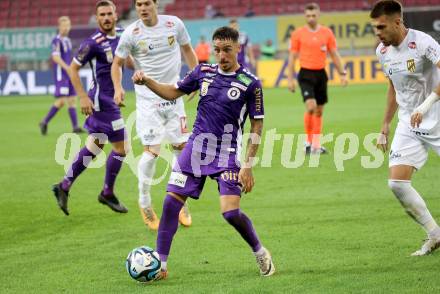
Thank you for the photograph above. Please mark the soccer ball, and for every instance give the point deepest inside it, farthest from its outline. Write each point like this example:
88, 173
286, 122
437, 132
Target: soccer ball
143, 264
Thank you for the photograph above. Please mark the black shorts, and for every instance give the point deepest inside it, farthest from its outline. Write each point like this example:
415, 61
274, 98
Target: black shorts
313, 85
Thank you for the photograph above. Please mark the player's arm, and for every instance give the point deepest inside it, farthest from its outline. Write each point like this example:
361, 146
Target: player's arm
189, 55
85, 103
251, 56
129, 62
116, 72
390, 110
422, 109
245, 175
337, 60
58, 60
166, 91
293, 56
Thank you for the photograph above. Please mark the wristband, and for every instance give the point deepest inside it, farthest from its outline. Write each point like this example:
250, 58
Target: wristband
426, 105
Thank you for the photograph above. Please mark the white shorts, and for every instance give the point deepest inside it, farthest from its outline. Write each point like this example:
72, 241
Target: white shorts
160, 120
411, 148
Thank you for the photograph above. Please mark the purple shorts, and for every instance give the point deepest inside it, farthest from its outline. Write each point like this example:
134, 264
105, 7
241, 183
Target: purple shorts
111, 125
186, 184
64, 88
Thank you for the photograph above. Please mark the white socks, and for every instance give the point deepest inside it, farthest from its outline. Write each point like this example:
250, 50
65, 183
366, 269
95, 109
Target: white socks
146, 170
414, 205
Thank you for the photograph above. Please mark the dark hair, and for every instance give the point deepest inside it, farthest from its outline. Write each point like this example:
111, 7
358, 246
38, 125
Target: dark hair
311, 6
386, 7
225, 33
234, 20
134, 2
102, 3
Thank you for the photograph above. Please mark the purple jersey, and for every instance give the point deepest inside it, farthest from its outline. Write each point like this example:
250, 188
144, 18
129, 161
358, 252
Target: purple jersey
244, 44
226, 99
61, 46
98, 51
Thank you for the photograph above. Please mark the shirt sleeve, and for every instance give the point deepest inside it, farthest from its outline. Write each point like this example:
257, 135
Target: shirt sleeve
183, 37
124, 45
190, 82
85, 53
294, 42
331, 43
56, 47
255, 103
431, 50
380, 50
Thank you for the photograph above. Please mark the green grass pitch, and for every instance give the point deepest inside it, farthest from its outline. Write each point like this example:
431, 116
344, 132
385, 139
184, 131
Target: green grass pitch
328, 231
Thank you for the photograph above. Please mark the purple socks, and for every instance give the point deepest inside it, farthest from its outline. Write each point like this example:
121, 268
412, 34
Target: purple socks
82, 160
167, 226
114, 163
243, 225
52, 111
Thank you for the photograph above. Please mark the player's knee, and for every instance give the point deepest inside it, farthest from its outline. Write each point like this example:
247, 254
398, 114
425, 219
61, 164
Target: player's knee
232, 216
398, 187
59, 103
317, 112
178, 197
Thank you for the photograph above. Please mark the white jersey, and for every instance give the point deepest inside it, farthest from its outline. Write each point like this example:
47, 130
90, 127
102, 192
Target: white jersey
155, 50
412, 67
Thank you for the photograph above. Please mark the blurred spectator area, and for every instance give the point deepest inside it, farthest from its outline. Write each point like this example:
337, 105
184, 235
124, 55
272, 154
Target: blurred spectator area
31, 13
193, 9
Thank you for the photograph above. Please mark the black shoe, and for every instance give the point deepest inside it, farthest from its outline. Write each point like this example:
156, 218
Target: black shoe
78, 130
307, 149
320, 150
112, 202
43, 128
62, 197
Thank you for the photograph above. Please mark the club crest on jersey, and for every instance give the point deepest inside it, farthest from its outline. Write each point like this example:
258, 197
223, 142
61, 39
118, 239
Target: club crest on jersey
143, 46
412, 45
171, 40
234, 93
411, 65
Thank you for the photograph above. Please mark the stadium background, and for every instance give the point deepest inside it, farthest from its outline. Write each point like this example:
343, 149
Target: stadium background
329, 231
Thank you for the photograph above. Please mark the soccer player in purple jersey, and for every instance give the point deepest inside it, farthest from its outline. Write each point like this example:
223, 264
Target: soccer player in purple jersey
246, 55
104, 122
228, 94
64, 91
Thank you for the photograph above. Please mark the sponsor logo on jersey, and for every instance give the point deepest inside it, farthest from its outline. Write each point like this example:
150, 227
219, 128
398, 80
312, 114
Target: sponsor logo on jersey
244, 79
136, 31
258, 99
210, 74
204, 88
169, 24
178, 179
99, 40
240, 86
324, 48
411, 65
412, 45
109, 54
383, 50
171, 40
234, 93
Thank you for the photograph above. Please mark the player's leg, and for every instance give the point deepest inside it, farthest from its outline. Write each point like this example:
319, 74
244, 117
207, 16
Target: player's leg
177, 134
408, 153
307, 90
146, 171
113, 166
71, 103
82, 160
230, 191
57, 105
321, 100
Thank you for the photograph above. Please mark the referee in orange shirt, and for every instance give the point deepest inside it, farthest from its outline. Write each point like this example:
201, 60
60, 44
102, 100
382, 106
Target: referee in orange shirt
311, 44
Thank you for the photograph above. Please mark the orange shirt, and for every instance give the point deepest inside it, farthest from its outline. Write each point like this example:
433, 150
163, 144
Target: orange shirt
312, 46
203, 51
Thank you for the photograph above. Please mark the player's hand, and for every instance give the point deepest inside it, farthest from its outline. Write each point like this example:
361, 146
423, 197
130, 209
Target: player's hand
119, 97
291, 84
86, 105
416, 119
138, 78
382, 140
246, 179
344, 80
